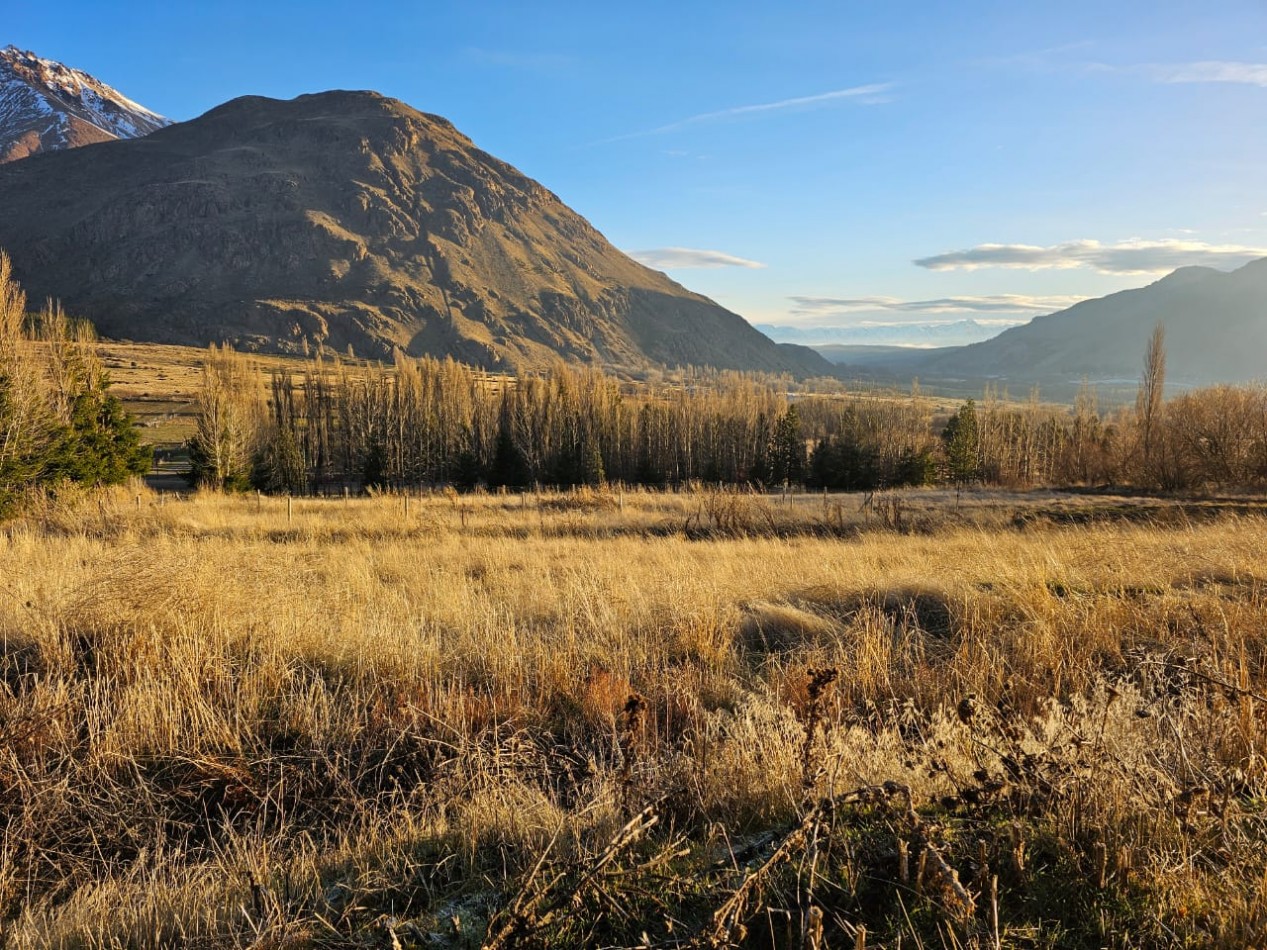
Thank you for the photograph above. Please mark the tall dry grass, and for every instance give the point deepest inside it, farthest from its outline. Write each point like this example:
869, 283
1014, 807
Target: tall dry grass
222, 724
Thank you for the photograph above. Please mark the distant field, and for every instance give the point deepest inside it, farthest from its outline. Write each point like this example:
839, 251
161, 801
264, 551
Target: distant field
633, 719
159, 385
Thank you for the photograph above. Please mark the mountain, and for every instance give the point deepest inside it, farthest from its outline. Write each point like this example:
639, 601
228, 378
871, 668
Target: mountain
349, 219
45, 107
890, 334
873, 355
1216, 331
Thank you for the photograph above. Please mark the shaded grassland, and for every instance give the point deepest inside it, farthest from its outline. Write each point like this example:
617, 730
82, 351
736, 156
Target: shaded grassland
626, 720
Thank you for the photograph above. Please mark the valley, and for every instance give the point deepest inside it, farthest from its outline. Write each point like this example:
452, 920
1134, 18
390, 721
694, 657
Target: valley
391, 558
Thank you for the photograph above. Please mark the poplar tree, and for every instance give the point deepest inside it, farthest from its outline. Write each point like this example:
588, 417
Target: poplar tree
223, 446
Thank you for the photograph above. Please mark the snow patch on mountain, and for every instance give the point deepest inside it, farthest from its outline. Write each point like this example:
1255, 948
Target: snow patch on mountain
46, 105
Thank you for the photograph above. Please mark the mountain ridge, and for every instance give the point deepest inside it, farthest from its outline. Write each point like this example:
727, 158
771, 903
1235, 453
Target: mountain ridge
47, 106
346, 218
1216, 331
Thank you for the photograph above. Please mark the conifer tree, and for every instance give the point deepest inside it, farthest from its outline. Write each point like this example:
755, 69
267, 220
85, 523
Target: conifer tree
961, 438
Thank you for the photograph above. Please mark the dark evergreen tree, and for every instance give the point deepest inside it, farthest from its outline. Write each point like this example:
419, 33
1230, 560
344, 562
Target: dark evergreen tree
916, 469
280, 465
466, 472
961, 443
100, 445
509, 468
595, 473
374, 465
788, 449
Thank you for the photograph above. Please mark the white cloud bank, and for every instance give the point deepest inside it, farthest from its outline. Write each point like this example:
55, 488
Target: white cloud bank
682, 258
1135, 256
823, 307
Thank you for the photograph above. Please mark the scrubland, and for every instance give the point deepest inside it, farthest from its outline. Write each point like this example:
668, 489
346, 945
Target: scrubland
633, 719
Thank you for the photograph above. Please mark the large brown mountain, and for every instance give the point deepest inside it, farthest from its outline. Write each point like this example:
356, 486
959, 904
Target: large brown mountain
347, 218
46, 106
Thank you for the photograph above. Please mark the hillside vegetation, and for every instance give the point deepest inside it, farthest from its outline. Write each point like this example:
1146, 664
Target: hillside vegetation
633, 719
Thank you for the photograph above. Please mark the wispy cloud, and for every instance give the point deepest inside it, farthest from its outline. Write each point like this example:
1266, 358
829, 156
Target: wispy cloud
681, 258
1038, 60
1200, 71
871, 94
1250, 74
1135, 256
831, 307
867, 95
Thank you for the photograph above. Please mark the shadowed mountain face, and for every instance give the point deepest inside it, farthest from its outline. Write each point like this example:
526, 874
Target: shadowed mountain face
1216, 331
46, 107
348, 219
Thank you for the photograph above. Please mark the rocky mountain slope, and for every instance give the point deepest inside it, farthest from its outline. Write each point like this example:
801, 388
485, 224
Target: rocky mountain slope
1216, 331
348, 219
45, 106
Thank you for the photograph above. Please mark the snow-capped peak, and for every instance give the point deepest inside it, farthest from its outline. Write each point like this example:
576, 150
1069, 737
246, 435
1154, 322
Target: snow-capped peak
46, 105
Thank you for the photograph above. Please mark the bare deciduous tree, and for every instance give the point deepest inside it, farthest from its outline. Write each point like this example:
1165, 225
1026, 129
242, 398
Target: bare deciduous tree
229, 420
1148, 402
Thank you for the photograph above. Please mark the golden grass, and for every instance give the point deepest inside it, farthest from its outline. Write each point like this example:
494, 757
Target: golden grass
226, 725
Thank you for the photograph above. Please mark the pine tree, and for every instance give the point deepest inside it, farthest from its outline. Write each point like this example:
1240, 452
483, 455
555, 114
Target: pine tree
788, 450
962, 441
509, 468
279, 466
100, 446
594, 472
466, 470
58, 421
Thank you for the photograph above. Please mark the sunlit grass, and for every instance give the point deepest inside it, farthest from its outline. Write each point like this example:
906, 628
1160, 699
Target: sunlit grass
230, 719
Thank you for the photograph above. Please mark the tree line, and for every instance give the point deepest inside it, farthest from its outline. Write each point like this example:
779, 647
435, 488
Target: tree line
59, 423
428, 422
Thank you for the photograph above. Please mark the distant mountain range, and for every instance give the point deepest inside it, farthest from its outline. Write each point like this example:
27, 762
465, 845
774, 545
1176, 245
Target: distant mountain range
1216, 331
343, 219
916, 334
45, 106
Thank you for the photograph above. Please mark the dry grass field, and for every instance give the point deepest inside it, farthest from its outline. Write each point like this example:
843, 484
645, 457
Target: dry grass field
596, 719
159, 385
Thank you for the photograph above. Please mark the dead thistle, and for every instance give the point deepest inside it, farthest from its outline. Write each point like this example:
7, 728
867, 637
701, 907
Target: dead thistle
812, 718
630, 742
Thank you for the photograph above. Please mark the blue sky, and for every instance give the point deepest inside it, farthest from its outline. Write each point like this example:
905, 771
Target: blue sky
900, 162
